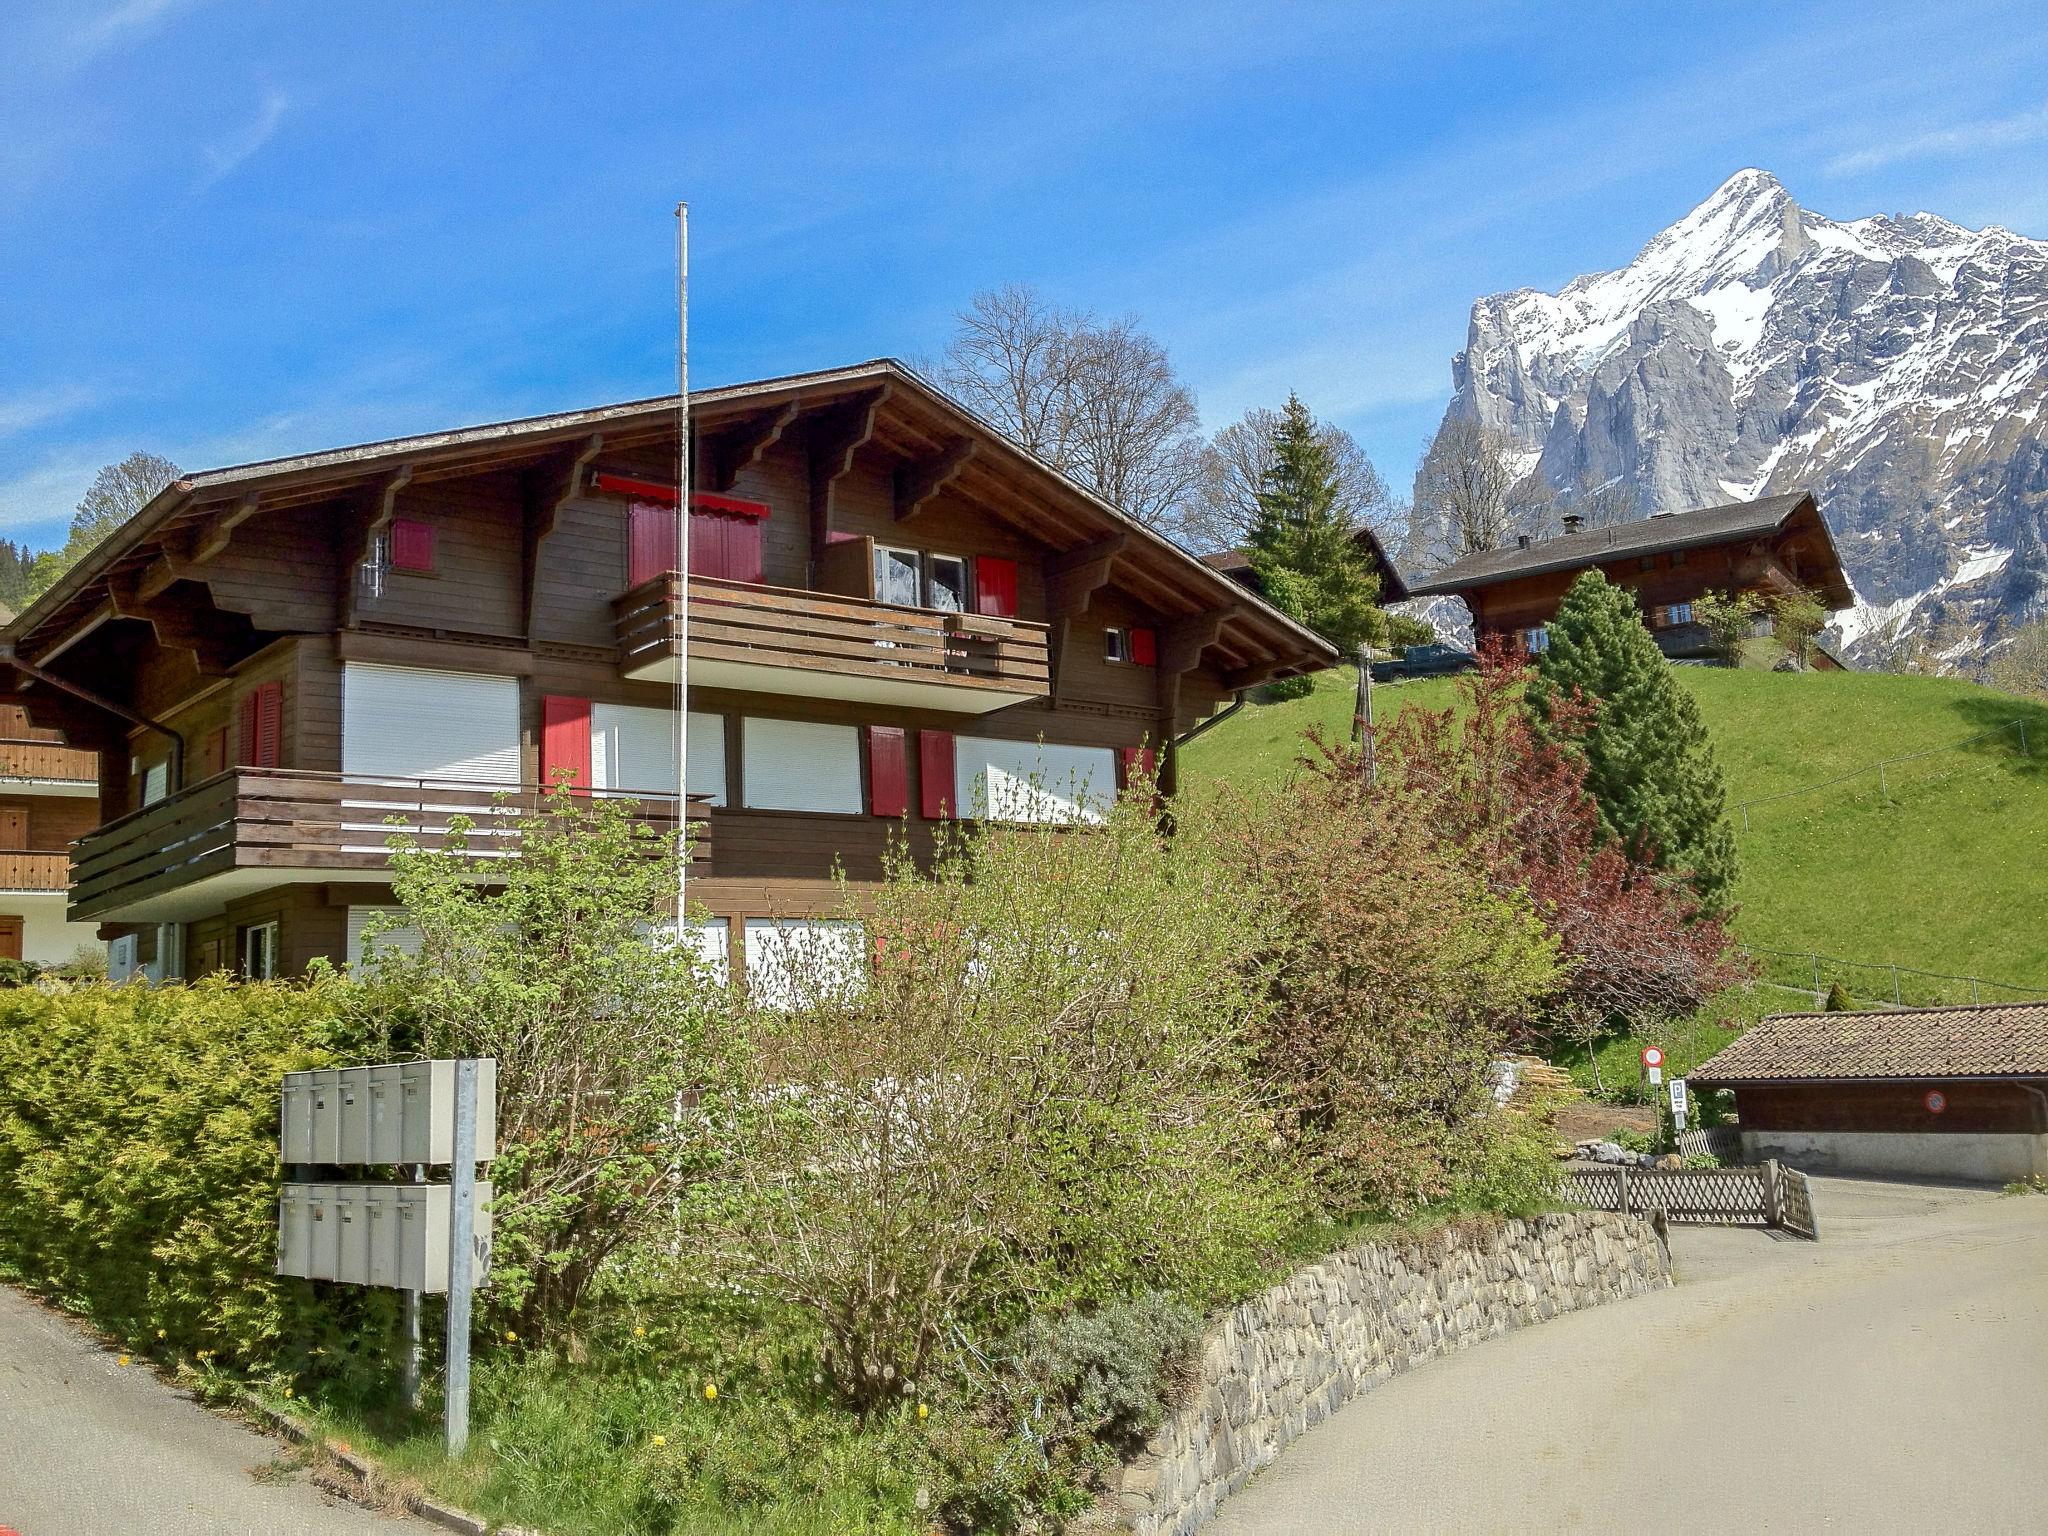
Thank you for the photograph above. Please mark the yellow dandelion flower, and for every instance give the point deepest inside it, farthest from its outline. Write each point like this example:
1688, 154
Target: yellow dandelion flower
710, 1391
661, 1439
287, 1391
122, 1361
924, 1410
511, 1337
159, 1333
639, 1333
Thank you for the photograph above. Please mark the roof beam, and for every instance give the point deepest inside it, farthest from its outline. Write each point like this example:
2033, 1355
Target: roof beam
212, 649
547, 488
379, 506
1182, 642
840, 434
918, 482
213, 538
733, 451
1073, 578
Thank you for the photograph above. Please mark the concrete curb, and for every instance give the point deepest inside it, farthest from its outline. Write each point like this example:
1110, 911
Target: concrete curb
369, 1486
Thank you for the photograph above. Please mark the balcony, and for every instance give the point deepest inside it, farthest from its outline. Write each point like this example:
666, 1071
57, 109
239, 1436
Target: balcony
21, 871
51, 768
251, 829
774, 640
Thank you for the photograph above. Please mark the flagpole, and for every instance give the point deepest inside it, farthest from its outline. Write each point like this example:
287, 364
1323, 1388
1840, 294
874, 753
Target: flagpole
682, 619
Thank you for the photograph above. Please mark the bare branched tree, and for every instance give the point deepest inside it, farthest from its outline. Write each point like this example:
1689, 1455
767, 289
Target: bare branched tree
1469, 495
1098, 399
1234, 470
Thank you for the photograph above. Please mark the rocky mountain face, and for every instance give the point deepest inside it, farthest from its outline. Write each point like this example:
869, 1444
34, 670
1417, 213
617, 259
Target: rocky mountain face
1896, 366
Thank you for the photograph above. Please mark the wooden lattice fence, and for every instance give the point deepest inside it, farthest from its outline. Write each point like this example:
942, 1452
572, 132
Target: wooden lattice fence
1765, 1196
1721, 1142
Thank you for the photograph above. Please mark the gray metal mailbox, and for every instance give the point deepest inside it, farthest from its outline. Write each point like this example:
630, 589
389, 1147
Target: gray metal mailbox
403, 1112
393, 1235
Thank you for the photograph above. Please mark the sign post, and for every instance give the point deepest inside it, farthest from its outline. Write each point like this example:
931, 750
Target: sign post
461, 1255
1678, 1103
1653, 1064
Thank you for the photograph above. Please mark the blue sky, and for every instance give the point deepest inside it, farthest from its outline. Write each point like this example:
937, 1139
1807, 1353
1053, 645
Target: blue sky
233, 231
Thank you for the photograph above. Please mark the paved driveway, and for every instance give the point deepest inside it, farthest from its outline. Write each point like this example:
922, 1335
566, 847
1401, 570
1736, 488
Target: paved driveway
1891, 1377
91, 1448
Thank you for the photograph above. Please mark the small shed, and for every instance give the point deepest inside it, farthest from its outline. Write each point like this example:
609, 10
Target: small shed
1955, 1093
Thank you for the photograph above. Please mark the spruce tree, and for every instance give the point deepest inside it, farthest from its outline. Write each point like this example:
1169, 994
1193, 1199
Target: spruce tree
1649, 765
1302, 547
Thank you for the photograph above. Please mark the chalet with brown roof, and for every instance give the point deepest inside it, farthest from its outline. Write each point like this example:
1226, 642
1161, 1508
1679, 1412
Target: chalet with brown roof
1237, 565
1926, 1092
896, 616
1669, 561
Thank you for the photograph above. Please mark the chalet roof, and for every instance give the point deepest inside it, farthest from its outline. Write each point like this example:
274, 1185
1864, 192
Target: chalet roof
1236, 562
1995, 1040
1701, 527
1055, 508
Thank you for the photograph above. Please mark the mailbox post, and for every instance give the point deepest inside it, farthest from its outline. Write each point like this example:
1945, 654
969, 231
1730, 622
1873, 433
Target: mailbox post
414, 1236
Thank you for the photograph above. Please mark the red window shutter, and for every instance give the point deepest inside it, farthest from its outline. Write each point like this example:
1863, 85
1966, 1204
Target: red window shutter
995, 587
650, 542
412, 545
1136, 763
725, 546
888, 771
1145, 647
246, 730
565, 740
935, 774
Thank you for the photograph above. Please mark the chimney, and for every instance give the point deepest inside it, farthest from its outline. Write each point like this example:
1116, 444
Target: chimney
1573, 521
1521, 541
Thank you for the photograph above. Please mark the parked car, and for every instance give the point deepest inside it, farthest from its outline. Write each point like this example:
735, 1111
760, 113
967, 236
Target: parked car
1432, 660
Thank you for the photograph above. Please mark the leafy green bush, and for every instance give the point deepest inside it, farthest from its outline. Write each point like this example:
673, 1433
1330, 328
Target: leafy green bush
18, 973
139, 1165
1282, 689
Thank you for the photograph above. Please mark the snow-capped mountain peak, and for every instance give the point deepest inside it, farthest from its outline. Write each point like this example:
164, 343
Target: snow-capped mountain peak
1895, 364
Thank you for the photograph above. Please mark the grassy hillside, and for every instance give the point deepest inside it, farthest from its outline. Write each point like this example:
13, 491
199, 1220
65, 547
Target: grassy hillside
1946, 869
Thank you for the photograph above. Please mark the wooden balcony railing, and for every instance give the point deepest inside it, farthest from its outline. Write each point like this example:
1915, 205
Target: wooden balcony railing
736, 628
23, 871
41, 760
252, 818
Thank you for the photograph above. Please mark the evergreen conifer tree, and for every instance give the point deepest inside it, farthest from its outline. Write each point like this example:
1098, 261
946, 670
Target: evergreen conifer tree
1302, 547
1649, 765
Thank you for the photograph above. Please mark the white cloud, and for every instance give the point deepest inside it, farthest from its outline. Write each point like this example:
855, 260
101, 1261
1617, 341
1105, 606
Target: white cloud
112, 27
1963, 139
225, 155
33, 408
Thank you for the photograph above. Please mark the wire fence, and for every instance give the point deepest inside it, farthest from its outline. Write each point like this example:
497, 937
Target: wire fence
1812, 974
1886, 768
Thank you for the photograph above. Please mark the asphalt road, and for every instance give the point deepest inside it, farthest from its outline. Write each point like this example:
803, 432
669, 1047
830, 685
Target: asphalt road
1892, 1377
89, 1447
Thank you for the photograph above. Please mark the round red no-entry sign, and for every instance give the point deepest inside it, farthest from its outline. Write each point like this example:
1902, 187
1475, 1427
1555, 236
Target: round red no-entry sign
1936, 1101
1652, 1057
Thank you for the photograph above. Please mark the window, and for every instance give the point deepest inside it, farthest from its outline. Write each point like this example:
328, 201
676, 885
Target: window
791, 963
257, 944
633, 747
156, 782
1032, 781
1536, 641
1678, 613
390, 938
800, 765
417, 723
1647, 563
1678, 557
1116, 645
911, 579
899, 577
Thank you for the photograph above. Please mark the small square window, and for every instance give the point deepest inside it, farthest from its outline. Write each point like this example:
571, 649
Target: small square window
898, 577
1678, 557
1116, 645
1647, 563
946, 583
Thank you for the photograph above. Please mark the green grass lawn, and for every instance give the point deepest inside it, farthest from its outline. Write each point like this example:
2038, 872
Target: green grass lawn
1945, 869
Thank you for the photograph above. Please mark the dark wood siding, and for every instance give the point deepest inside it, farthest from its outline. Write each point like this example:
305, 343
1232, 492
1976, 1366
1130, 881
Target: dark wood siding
1971, 1107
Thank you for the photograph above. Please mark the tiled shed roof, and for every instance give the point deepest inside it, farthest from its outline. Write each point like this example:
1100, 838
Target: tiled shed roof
1995, 1040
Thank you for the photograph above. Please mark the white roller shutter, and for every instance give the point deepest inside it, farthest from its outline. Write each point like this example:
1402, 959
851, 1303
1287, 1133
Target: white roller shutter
794, 962
1032, 781
405, 940
633, 747
418, 723
800, 765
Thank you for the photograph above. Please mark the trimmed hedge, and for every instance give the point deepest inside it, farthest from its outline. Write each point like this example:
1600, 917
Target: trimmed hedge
139, 1165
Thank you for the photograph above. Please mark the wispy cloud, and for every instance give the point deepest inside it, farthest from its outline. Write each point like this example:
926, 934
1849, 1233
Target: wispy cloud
113, 27
225, 155
1942, 143
36, 407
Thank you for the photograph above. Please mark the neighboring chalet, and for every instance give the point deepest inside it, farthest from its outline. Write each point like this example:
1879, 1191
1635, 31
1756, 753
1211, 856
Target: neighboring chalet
1668, 560
49, 794
1924, 1092
1237, 565
896, 616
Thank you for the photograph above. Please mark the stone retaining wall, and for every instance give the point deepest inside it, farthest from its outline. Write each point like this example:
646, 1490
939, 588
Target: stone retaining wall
1282, 1362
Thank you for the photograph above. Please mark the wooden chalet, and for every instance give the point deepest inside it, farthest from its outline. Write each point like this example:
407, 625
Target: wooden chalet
1668, 561
896, 616
1237, 565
